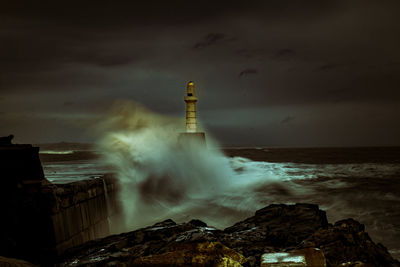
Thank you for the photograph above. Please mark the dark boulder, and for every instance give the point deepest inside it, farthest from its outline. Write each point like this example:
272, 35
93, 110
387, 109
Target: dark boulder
157, 239
276, 228
346, 241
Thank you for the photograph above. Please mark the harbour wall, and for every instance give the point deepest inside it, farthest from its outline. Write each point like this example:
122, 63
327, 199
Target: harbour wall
82, 211
40, 220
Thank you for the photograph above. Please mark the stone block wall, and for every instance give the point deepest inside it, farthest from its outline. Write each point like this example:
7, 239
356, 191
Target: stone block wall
82, 211
40, 220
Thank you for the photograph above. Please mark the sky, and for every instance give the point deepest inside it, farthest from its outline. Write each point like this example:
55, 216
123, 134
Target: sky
267, 73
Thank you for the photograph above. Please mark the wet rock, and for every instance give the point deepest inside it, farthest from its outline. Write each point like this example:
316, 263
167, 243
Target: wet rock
198, 223
355, 264
347, 244
154, 240
275, 227
10, 262
292, 229
280, 225
194, 254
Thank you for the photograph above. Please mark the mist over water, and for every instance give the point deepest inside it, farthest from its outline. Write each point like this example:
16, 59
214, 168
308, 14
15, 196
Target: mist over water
161, 178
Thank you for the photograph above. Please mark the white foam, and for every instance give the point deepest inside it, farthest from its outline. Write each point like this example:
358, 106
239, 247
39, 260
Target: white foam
56, 152
282, 257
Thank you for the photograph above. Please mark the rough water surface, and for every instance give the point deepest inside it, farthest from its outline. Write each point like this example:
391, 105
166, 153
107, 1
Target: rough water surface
359, 183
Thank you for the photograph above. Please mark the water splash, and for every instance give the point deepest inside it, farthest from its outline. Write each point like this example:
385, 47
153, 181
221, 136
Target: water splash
159, 177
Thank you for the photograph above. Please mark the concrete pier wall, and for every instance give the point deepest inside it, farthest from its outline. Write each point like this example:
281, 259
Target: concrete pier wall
82, 211
39, 220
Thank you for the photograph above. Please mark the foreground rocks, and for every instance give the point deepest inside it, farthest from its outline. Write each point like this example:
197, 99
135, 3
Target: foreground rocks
300, 230
10, 262
346, 241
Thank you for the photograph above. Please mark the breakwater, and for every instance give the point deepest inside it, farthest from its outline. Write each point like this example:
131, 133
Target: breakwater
40, 220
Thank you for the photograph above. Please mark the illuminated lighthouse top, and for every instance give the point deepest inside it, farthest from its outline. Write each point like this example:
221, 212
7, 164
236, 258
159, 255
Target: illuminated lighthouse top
190, 99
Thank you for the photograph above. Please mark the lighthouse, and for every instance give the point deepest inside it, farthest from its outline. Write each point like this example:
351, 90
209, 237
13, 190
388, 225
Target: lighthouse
191, 135
190, 99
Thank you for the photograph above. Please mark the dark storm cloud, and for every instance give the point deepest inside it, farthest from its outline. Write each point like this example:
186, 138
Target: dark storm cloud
305, 53
45, 34
245, 53
326, 67
285, 53
103, 12
68, 103
247, 72
288, 119
106, 15
345, 95
209, 39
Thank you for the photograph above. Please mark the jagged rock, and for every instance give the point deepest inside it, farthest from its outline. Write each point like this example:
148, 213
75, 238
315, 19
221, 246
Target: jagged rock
276, 228
154, 240
346, 243
355, 264
194, 254
10, 262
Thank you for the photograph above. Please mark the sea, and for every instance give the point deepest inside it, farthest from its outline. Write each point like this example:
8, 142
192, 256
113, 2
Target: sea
362, 183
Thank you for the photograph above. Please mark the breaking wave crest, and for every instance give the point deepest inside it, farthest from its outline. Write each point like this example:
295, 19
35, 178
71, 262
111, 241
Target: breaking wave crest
161, 178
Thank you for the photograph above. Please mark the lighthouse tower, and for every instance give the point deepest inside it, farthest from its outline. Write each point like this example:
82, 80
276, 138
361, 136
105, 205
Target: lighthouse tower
190, 99
191, 135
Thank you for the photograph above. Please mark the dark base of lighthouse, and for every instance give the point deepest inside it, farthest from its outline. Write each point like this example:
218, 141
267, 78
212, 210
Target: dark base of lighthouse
190, 138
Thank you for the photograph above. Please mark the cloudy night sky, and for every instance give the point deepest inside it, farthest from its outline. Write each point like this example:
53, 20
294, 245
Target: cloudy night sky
273, 73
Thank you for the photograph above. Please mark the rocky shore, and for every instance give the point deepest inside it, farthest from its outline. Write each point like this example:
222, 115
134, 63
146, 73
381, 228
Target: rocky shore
290, 235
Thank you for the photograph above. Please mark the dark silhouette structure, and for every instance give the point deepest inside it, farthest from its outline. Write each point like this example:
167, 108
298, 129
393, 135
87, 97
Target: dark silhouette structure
6, 140
40, 220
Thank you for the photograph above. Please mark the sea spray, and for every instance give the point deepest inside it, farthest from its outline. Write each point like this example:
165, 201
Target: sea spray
159, 177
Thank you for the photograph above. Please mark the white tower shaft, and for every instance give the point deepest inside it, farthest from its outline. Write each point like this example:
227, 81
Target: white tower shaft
190, 99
